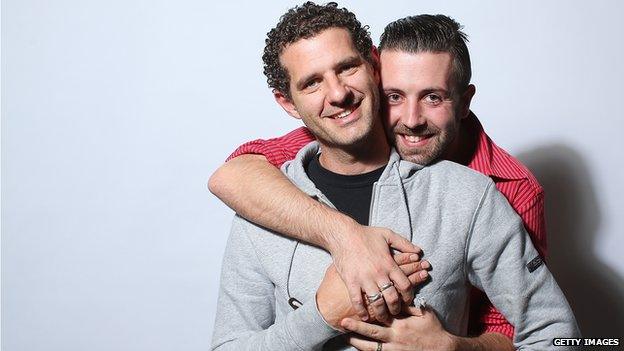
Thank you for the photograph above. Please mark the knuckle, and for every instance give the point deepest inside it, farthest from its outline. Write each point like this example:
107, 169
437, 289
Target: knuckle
374, 333
401, 258
414, 267
402, 285
393, 299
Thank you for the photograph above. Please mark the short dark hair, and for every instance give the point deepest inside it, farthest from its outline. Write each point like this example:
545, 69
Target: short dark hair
431, 33
306, 21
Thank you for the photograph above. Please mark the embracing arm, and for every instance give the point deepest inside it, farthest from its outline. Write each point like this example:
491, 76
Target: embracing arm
258, 191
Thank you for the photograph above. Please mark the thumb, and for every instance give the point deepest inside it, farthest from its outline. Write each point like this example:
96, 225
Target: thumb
415, 311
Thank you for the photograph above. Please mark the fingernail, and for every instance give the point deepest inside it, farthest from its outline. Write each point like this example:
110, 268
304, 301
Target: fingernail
423, 274
425, 264
414, 257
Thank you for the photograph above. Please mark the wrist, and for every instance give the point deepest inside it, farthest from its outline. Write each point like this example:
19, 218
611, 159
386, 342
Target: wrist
339, 233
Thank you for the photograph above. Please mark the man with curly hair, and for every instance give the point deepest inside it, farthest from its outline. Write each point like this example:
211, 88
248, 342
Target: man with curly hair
277, 293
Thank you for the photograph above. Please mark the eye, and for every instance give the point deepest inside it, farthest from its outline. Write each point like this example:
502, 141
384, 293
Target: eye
347, 69
311, 84
433, 99
394, 98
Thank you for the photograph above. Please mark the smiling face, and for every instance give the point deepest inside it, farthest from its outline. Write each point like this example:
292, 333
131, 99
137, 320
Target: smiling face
333, 89
423, 112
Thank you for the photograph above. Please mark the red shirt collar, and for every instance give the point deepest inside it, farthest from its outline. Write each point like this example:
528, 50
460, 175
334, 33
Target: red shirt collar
488, 158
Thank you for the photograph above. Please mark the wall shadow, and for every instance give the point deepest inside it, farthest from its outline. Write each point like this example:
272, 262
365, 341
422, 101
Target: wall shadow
594, 290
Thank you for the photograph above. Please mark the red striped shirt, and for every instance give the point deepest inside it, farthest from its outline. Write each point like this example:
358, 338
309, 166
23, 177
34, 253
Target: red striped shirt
512, 179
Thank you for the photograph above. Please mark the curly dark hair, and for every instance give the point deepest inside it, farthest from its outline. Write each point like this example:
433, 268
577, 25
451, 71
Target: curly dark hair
303, 22
431, 33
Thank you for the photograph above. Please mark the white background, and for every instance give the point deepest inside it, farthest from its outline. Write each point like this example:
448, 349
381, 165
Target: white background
114, 114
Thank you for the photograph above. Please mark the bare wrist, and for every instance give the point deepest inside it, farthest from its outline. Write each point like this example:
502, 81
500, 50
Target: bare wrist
339, 232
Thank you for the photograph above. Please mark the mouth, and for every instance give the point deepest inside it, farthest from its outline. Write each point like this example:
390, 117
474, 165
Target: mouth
415, 140
342, 114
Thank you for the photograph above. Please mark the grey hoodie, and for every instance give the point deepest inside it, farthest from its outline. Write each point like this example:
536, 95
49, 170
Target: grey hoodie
466, 228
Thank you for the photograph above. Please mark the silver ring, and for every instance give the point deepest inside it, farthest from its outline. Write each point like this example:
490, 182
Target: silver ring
379, 346
373, 298
386, 286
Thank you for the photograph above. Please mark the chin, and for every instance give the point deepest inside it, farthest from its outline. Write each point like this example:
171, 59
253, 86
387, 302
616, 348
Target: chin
418, 158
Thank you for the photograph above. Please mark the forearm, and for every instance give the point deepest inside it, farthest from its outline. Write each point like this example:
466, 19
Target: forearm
261, 193
484, 342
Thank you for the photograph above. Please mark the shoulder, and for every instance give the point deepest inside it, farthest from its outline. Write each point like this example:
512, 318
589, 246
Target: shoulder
450, 184
514, 179
455, 173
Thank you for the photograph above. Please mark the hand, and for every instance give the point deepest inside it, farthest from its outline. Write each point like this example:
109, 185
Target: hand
363, 259
333, 298
418, 330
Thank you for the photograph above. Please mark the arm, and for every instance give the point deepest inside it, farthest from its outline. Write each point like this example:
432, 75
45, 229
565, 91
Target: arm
502, 261
261, 193
418, 329
245, 317
485, 320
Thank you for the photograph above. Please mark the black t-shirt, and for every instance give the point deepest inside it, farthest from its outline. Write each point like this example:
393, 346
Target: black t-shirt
351, 194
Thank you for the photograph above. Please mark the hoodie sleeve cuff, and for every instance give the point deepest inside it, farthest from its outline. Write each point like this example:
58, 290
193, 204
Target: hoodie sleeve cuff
308, 328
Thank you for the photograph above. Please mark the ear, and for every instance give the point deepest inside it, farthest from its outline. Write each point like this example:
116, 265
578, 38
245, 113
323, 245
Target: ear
464, 108
376, 63
286, 103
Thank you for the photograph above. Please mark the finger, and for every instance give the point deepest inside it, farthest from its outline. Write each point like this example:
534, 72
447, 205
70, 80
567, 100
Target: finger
362, 344
366, 329
400, 243
392, 299
403, 285
355, 294
402, 258
378, 307
413, 267
415, 311
418, 277
406, 257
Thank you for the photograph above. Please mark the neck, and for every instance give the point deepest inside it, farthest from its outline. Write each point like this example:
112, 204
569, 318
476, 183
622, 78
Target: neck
462, 149
368, 155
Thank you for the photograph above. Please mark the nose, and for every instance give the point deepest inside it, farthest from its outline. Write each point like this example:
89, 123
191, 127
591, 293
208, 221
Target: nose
413, 117
338, 93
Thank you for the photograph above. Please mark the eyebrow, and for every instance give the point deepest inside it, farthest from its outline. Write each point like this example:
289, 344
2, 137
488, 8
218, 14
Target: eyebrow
426, 90
353, 60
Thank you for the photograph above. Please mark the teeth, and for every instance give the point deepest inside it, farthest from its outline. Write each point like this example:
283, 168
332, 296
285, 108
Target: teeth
344, 114
413, 138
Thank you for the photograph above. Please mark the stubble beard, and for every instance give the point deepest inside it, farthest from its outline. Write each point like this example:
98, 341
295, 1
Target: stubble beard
434, 150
